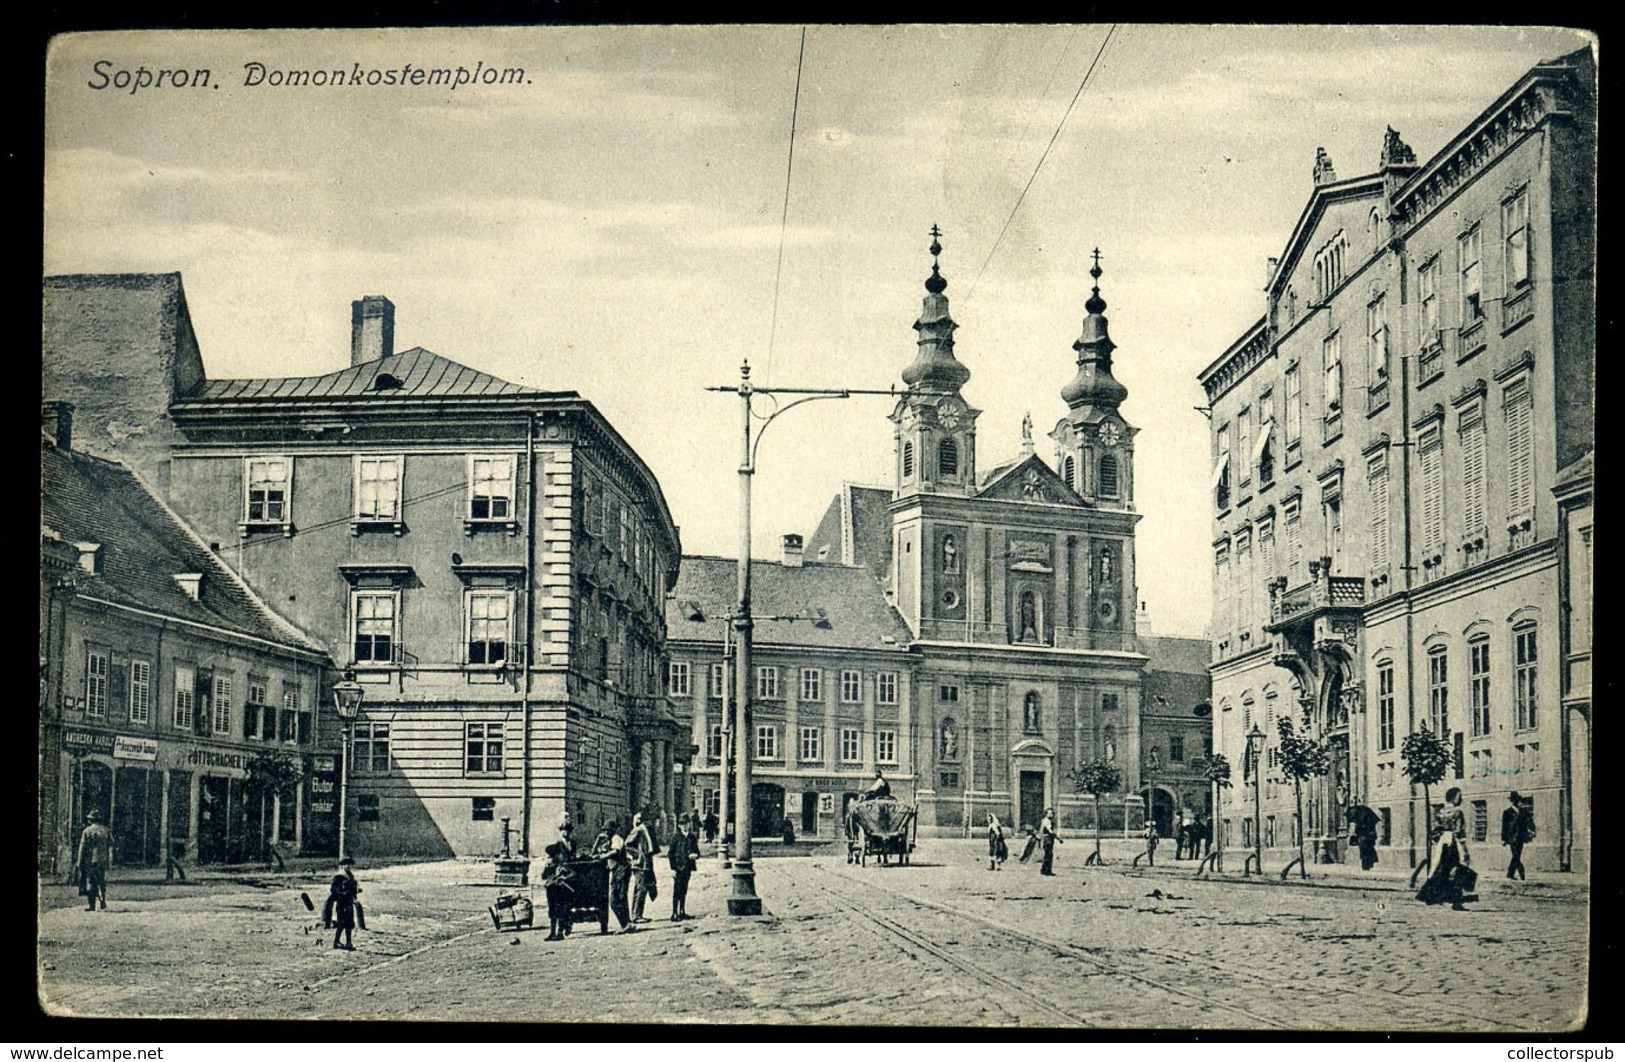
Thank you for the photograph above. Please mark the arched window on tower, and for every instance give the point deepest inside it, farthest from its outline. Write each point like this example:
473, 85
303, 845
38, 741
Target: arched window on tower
908, 460
1069, 472
948, 458
1108, 476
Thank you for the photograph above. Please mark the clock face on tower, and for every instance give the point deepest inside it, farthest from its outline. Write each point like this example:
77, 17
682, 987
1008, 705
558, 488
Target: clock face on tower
948, 415
1110, 433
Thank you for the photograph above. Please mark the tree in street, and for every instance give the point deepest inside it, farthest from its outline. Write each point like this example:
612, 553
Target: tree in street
271, 773
1426, 756
1096, 778
1300, 758
1216, 769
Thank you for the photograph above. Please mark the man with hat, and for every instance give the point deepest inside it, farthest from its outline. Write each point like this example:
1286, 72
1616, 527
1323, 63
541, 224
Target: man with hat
91, 862
340, 911
1517, 830
684, 855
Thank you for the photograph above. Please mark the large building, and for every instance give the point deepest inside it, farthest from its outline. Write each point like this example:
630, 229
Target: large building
173, 701
489, 561
1383, 439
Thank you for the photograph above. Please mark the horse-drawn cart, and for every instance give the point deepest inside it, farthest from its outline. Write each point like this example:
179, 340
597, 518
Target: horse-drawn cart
882, 828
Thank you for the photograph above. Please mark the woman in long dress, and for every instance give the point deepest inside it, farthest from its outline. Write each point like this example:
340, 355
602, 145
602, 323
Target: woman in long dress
1451, 859
997, 853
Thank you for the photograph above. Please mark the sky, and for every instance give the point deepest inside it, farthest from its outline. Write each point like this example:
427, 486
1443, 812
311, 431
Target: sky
615, 221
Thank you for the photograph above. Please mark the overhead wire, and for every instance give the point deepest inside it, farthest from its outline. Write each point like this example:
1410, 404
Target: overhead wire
784, 217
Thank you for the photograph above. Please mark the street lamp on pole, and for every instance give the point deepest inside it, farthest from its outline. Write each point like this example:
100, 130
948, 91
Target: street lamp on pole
743, 899
347, 697
1256, 756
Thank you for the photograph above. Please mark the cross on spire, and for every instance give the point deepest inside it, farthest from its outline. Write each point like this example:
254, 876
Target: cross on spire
1095, 272
936, 242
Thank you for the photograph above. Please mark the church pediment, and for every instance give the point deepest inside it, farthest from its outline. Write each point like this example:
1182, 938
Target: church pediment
1030, 480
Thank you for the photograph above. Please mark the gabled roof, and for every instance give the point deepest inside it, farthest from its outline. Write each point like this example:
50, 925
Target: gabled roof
417, 373
144, 546
855, 612
1028, 480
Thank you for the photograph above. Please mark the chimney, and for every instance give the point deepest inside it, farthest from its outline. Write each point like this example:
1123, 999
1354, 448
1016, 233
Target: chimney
372, 329
56, 422
792, 551
90, 557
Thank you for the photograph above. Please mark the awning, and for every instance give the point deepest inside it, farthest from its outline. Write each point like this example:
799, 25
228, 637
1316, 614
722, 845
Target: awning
1219, 467
1264, 430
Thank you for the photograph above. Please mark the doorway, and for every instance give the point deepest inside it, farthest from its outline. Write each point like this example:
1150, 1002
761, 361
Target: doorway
213, 794
766, 809
1032, 799
809, 814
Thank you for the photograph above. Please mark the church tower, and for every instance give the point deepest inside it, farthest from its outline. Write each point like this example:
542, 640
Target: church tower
1094, 446
934, 428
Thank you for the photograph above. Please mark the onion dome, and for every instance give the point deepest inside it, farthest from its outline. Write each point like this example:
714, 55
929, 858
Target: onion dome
934, 368
1094, 384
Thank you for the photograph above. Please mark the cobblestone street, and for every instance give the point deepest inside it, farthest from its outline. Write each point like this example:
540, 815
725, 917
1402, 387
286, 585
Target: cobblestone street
944, 941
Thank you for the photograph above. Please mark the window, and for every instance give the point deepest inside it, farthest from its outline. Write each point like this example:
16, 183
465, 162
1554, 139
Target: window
1385, 706
812, 684
1471, 427
1329, 267
482, 749
948, 458
908, 460
1479, 675
948, 694
812, 743
1292, 518
715, 680
1376, 330
490, 488
1376, 476
851, 687
767, 742
1523, 676
1472, 307
1515, 223
1294, 406
1069, 472
1520, 457
366, 806
1430, 456
140, 691
222, 704
1427, 294
886, 687
267, 481
375, 633
378, 489
767, 683
1221, 469
1439, 690
185, 687
1244, 444
369, 751
1108, 702
1263, 453
851, 745
1176, 749
1108, 476
488, 631
677, 678
483, 809
713, 748
1481, 820
293, 720
1332, 358
885, 746
97, 666
253, 709
1331, 507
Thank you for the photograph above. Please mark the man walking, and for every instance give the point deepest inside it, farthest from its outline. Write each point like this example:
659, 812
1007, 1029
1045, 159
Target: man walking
92, 859
1517, 830
613, 851
683, 856
640, 853
1048, 838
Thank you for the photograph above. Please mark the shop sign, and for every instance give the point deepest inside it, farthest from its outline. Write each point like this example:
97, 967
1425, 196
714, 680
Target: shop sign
322, 807
135, 748
83, 741
826, 803
323, 764
213, 758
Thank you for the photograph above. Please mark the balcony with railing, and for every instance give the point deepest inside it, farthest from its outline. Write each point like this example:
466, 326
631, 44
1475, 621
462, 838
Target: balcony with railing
1322, 593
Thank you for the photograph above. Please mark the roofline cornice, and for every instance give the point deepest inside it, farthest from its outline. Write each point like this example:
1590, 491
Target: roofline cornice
224, 633
1253, 347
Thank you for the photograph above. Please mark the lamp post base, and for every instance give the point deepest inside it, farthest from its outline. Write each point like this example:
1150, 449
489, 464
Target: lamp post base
744, 900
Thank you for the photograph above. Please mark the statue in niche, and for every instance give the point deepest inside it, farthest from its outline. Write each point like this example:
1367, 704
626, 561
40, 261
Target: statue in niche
1029, 616
1109, 744
950, 740
950, 555
1105, 564
1029, 713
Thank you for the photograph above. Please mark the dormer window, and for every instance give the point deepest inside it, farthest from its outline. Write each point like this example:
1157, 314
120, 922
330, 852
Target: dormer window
386, 381
191, 584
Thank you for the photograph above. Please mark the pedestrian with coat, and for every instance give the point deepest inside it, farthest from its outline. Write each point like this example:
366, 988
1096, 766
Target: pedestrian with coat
558, 883
1151, 839
91, 860
1364, 821
1517, 830
613, 852
710, 827
1048, 838
342, 910
640, 852
683, 855
997, 851
1453, 877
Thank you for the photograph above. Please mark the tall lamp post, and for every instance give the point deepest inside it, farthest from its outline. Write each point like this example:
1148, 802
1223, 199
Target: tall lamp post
1256, 755
743, 899
347, 702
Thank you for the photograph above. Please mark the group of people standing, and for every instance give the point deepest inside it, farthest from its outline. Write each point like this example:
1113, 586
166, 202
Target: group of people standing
630, 858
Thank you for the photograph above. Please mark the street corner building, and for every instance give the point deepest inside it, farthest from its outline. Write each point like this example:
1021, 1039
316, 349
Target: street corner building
487, 561
1387, 439
977, 629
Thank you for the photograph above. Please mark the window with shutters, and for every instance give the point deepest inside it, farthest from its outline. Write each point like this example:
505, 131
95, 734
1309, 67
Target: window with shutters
1385, 706
1265, 534
1468, 249
908, 460
1430, 458
1376, 476
222, 704
1294, 408
1292, 519
140, 691
1221, 469
1069, 472
1331, 350
185, 692
293, 724
948, 458
1471, 427
1519, 407
1377, 368
1478, 656
1244, 584
1515, 223
1439, 690
98, 665
1523, 676
1244, 445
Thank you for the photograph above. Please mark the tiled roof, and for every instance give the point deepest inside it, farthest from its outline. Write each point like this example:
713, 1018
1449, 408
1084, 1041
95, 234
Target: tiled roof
856, 611
420, 374
871, 529
144, 546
